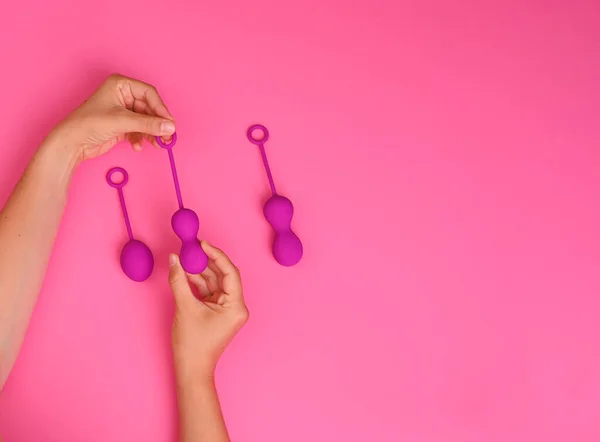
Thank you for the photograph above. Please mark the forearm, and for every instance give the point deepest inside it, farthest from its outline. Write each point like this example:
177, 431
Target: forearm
200, 417
28, 225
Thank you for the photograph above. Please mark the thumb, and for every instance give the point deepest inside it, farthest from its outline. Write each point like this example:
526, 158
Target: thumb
146, 124
179, 282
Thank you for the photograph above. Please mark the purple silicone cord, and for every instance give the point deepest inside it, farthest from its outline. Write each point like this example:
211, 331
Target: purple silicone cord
119, 187
169, 148
261, 145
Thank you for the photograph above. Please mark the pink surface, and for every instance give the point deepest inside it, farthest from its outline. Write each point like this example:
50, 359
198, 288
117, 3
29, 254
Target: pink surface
443, 161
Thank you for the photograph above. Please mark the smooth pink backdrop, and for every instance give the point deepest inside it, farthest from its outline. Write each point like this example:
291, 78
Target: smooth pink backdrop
443, 160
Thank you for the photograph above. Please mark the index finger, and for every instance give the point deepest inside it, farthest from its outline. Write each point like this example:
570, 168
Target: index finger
149, 94
232, 282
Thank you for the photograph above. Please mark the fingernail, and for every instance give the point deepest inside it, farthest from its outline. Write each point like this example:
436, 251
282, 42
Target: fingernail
172, 260
167, 128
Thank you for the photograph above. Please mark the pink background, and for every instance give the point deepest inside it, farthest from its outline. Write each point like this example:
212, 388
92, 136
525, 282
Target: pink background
443, 161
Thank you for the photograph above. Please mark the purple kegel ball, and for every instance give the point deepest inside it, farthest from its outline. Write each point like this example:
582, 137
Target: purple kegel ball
278, 211
287, 247
185, 224
193, 258
136, 260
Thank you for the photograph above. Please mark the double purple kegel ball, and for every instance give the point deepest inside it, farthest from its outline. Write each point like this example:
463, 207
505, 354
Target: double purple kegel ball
278, 210
185, 222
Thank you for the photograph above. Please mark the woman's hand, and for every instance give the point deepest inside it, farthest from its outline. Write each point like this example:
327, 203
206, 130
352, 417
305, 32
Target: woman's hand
204, 327
122, 108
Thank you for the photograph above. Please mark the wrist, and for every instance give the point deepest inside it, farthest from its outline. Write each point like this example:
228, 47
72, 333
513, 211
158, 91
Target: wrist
195, 378
192, 388
196, 383
56, 162
61, 151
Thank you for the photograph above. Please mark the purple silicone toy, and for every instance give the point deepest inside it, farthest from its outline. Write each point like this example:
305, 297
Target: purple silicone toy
278, 210
185, 223
136, 258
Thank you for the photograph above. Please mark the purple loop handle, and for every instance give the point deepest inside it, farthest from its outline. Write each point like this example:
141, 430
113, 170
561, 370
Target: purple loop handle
119, 187
254, 140
162, 144
261, 146
114, 170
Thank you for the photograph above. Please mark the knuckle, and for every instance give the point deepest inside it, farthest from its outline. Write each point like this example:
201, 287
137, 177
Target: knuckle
149, 125
242, 315
114, 78
174, 277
